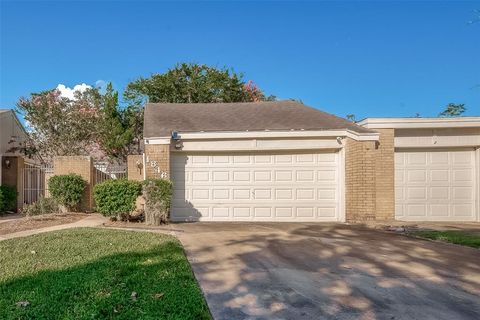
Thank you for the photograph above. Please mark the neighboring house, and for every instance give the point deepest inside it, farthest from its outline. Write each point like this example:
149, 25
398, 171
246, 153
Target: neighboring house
12, 134
284, 161
437, 166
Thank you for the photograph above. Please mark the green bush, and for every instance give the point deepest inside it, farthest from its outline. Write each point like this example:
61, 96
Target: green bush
116, 197
8, 198
67, 190
42, 206
158, 197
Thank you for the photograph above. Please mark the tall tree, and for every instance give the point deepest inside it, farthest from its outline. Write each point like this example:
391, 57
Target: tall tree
115, 135
453, 110
193, 83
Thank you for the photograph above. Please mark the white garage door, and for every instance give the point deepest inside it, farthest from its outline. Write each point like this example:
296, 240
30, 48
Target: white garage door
256, 187
435, 185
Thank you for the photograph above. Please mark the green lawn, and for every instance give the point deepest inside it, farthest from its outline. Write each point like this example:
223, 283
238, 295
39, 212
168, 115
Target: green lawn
92, 273
458, 237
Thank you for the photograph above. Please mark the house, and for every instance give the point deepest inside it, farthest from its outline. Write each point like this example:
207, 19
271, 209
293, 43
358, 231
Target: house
284, 161
437, 166
12, 135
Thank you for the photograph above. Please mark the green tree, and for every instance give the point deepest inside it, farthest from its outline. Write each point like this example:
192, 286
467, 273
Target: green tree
453, 110
351, 117
115, 134
193, 83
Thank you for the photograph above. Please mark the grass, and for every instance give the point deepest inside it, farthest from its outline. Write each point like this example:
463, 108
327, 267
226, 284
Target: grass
91, 274
458, 237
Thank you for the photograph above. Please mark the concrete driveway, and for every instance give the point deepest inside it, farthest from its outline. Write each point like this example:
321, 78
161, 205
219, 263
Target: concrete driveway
327, 271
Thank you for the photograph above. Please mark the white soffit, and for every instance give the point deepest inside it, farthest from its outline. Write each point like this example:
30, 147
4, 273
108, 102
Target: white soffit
420, 123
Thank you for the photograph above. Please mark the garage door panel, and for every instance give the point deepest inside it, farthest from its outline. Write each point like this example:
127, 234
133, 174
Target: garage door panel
263, 176
241, 212
284, 194
326, 212
256, 187
440, 193
439, 210
438, 158
463, 175
435, 185
285, 212
416, 159
416, 176
439, 175
417, 193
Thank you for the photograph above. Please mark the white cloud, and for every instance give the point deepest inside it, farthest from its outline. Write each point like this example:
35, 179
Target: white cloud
69, 93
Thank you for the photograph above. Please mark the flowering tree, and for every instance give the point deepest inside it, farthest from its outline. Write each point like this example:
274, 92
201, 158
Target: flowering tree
60, 126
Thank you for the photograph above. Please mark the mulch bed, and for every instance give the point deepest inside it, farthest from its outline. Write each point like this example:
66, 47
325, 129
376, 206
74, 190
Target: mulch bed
37, 222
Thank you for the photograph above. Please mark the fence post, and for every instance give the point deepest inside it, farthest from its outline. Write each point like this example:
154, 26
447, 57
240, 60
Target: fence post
83, 166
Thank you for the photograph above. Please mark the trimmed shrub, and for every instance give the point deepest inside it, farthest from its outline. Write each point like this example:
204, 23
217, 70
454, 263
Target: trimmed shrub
116, 197
158, 197
8, 198
42, 206
67, 190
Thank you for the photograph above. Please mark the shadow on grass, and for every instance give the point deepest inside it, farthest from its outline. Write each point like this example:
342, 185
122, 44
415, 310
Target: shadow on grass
102, 289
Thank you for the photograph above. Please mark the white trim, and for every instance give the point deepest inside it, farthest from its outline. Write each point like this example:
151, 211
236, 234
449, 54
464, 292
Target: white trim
144, 163
341, 186
372, 136
412, 123
157, 141
477, 182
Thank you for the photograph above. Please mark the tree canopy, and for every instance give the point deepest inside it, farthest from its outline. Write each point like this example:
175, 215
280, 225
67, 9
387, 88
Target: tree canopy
453, 110
194, 83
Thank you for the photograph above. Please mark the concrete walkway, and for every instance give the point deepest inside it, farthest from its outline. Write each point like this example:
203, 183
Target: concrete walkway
93, 220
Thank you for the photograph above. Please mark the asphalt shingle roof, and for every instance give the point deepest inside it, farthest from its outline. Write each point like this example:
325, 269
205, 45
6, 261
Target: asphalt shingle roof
163, 118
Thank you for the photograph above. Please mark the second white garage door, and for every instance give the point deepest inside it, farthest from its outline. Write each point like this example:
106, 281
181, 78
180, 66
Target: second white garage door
435, 185
256, 187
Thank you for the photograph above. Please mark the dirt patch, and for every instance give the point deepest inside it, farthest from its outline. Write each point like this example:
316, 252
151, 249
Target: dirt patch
37, 222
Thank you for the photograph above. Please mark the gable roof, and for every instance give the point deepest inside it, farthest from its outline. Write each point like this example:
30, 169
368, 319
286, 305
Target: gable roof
163, 118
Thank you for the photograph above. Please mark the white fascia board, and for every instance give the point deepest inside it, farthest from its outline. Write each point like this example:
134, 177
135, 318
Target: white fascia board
268, 134
160, 140
420, 123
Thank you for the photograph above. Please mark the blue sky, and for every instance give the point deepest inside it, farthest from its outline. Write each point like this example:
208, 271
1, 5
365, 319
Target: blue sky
378, 58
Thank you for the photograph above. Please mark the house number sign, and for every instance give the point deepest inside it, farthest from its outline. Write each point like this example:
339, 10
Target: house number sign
156, 168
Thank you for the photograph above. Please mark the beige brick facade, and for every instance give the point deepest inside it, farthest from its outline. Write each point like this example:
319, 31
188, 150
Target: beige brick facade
385, 174
135, 167
83, 166
369, 178
360, 179
157, 161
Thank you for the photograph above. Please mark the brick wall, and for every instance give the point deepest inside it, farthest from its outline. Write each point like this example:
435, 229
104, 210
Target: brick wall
158, 161
13, 176
83, 166
360, 180
384, 175
135, 167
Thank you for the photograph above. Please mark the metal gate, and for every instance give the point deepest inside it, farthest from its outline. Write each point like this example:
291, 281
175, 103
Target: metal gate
108, 171
34, 182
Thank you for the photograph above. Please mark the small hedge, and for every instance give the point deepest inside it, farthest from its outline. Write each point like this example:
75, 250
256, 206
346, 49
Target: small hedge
42, 206
8, 198
116, 197
67, 190
158, 197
